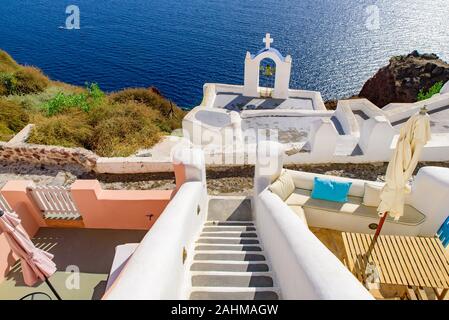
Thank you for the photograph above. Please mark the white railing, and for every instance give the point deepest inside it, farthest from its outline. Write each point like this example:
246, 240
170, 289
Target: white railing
55, 202
4, 206
304, 268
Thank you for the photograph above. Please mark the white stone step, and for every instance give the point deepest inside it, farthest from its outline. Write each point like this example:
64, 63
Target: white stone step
217, 293
228, 256
229, 234
227, 240
230, 266
228, 247
229, 223
229, 209
232, 279
229, 262
229, 229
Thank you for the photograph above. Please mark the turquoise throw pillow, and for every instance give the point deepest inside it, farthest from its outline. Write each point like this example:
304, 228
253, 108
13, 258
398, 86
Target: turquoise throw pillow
326, 189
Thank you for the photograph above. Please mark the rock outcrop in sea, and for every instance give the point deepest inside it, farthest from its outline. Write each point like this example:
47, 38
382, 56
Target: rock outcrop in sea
404, 77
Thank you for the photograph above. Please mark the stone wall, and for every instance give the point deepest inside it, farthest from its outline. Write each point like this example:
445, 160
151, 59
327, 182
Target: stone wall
18, 150
50, 155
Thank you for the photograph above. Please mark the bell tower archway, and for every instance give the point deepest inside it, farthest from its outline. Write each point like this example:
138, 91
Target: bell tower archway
281, 73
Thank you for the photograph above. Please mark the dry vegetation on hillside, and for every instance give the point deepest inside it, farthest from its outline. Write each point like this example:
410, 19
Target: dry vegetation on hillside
117, 124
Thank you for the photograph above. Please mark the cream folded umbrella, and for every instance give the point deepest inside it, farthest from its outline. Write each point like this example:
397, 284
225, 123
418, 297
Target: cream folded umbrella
413, 137
36, 264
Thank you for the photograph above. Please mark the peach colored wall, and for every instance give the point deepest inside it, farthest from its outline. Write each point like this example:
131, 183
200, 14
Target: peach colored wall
180, 174
15, 193
100, 209
21, 202
118, 209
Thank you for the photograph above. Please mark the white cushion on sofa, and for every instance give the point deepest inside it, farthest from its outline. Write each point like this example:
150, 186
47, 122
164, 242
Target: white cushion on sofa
303, 198
371, 197
283, 186
354, 205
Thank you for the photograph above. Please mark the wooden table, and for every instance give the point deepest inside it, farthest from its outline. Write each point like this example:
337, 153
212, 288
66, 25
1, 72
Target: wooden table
414, 262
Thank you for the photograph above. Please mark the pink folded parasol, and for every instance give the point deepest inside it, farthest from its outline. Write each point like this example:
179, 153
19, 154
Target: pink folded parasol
36, 264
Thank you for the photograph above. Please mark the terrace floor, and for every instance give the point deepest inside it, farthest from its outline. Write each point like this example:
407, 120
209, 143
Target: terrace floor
439, 120
288, 129
89, 250
92, 251
237, 102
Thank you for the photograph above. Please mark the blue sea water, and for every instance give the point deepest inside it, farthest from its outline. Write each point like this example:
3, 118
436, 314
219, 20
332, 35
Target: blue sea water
177, 46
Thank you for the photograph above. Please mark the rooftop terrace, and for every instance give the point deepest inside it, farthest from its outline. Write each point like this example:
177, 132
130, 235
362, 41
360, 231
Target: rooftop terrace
237, 102
90, 250
439, 120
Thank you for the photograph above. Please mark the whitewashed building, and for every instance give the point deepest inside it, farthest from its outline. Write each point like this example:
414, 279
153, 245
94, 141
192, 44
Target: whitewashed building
232, 118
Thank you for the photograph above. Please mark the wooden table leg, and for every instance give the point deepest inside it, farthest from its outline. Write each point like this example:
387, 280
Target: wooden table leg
411, 293
441, 295
422, 295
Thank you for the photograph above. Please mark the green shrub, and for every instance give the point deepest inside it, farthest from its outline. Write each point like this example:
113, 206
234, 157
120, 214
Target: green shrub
171, 115
33, 103
67, 130
61, 102
83, 101
436, 88
122, 129
13, 118
94, 92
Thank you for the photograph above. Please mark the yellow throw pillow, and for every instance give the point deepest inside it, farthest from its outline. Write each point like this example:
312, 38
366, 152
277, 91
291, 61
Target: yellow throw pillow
283, 186
371, 197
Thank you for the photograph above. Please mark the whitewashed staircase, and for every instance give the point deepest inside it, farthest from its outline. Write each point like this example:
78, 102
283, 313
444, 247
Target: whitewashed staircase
229, 262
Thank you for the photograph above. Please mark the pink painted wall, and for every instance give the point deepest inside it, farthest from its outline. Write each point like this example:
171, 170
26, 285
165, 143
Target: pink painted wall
15, 193
21, 202
100, 209
180, 174
118, 209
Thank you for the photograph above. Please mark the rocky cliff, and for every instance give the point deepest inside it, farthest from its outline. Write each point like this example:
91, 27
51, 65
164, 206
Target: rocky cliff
404, 77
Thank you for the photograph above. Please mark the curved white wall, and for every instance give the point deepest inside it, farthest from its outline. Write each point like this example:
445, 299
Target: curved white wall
445, 88
156, 270
430, 195
304, 268
346, 118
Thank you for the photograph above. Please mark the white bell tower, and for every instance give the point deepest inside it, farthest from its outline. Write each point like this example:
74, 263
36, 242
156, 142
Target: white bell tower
252, 71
